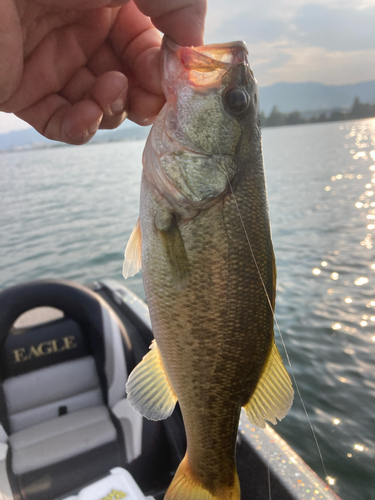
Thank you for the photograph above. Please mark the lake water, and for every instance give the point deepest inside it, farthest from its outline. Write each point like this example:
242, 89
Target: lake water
67, 212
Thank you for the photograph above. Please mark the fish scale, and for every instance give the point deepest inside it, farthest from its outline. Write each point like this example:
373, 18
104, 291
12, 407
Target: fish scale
208, 267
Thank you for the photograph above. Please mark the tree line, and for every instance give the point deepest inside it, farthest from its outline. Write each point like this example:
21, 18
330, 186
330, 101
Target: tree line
278, 119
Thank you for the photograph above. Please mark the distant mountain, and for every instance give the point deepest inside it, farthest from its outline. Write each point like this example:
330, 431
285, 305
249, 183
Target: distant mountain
312, 96
129, 133
21, 138
311, 99
29, 138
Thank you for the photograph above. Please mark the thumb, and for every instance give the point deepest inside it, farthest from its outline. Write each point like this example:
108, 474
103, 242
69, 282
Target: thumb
10, 50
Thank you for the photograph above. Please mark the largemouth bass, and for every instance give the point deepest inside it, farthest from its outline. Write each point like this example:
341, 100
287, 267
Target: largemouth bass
204, 243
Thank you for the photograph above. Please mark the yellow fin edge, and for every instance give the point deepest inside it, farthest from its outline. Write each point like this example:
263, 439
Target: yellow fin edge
148, 388
133, 253
273, 395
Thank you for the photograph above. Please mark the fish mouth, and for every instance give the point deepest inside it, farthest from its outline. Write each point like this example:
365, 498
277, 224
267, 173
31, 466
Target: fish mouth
209, 57
202, 66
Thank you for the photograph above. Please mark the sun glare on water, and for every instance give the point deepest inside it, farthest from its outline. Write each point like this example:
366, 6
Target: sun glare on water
348, 282
361, 281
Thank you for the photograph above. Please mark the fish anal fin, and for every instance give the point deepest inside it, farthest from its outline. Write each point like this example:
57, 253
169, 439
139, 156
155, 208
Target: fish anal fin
133, 253
185, 486
273, 395
174, 247
148, 388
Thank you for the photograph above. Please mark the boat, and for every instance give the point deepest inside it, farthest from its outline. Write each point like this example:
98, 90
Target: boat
67, 430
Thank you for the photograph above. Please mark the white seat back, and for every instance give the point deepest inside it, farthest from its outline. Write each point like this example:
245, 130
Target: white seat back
46, 393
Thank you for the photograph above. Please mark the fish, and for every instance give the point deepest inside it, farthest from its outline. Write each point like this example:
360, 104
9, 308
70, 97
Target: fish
203, 241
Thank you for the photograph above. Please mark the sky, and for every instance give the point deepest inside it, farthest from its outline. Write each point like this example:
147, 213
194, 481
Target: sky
325, 41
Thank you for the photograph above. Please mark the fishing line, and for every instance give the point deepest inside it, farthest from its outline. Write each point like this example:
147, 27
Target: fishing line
274, 317
281, 337
252, 253
268, 469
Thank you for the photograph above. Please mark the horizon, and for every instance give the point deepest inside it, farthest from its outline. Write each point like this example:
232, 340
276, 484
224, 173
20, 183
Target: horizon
10, 123
329, 42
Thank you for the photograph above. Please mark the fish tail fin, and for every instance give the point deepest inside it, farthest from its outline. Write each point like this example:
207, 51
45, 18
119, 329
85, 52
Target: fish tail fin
185, 486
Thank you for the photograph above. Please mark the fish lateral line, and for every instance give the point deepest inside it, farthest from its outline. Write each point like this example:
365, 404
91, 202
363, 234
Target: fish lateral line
280, 334
276, 322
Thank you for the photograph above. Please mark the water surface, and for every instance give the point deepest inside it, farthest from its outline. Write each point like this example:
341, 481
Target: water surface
68, 212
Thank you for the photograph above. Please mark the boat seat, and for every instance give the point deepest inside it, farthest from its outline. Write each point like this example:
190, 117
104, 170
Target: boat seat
46, 393
59, 439
60, 382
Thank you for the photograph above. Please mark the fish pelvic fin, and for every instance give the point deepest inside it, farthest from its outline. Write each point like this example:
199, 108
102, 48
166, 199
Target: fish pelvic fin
273, 395
173, 245
133, 253
148, 388
185, 486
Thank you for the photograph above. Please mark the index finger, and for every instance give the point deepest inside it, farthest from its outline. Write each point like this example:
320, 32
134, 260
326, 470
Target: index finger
136, 43
136, 40
11, 49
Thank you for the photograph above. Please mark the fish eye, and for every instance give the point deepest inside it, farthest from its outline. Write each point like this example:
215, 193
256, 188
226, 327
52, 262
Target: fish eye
236, 100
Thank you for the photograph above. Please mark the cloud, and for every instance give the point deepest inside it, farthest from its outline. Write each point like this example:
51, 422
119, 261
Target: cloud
344, 29
276, 59
328, 41
315, 25
253, 29
321, 65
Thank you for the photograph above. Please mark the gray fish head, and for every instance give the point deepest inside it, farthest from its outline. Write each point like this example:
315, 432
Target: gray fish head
204, 132
212, 93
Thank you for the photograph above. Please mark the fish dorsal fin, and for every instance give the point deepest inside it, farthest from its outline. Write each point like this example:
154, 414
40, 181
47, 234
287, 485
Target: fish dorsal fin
133, 253
174, 247
273, 395
148, 388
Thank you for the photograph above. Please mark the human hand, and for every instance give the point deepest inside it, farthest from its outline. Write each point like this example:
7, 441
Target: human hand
70, 67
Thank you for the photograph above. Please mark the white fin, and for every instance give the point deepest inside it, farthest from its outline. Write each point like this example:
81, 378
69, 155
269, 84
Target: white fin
148, 388
273, 395
133, 253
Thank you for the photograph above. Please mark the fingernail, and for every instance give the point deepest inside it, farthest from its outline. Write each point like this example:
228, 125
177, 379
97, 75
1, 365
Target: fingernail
118, 106
94, 127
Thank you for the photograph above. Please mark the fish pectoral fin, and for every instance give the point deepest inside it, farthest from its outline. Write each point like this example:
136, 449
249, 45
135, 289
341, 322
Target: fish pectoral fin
133, 253
273, 395
148, 388
174, 247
